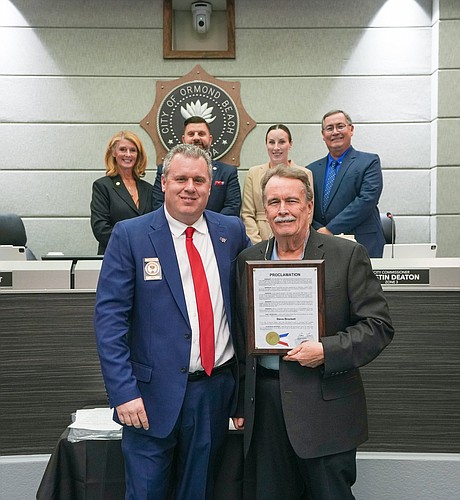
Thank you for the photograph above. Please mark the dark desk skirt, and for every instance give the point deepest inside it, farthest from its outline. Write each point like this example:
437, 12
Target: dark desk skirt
94, 470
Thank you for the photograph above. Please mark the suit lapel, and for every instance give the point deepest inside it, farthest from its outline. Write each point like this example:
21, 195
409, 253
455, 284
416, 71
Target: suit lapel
314, 249
346, 164
123, 193
318, 181
163, 245
222, 245
143, 197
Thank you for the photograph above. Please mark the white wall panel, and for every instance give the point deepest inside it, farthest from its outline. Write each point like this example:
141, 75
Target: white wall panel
449, 9
448, 185
335, 51
372, 99
50, 194
406, 192
400, 145
449, 42
148, 13
69, 14
449, 93
75, 99
74, 73
83, 51
63, 146
72, 236
82, 146
448, 134
128, 100
448, 235
327, 13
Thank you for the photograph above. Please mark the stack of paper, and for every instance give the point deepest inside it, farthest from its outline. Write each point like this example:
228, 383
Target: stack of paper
94, 423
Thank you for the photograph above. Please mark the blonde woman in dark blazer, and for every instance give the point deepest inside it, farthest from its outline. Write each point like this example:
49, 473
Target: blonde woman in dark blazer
121, 194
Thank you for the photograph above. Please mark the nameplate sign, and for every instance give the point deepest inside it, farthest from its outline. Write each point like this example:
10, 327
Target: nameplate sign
6, 279
403, 276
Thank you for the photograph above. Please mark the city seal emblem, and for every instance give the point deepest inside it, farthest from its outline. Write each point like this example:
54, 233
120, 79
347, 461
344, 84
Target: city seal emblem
199, 94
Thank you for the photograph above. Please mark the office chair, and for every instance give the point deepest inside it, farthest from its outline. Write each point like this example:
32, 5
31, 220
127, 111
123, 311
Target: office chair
389, 228
13, 232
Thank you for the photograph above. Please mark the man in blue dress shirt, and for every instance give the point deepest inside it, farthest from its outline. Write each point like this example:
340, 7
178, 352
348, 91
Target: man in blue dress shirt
347, 186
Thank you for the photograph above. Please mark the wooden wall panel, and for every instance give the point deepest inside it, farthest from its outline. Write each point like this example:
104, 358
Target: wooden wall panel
48, 365
49, 368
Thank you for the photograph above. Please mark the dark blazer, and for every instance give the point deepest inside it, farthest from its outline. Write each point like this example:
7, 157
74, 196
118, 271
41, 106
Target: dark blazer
142, 327
324, 407
111, 202
352, 206
225, 197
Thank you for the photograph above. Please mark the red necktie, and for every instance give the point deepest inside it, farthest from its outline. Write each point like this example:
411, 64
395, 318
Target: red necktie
203, 303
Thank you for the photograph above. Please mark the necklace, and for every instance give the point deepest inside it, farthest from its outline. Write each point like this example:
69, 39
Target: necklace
132, 190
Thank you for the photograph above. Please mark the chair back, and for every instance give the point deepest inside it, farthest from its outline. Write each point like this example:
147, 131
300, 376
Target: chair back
389, 230
13, 232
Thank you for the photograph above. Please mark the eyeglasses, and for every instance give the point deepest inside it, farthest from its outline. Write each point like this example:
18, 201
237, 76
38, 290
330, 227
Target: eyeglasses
340, 127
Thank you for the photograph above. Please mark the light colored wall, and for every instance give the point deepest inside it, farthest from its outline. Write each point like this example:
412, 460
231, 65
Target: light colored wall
381, 476
74, 73
446, 171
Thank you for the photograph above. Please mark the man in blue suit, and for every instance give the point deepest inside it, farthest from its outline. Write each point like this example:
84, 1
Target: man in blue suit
347, 186
148, 332
225, 197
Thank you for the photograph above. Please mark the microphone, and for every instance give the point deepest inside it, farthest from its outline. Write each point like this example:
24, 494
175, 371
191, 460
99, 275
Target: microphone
390, 216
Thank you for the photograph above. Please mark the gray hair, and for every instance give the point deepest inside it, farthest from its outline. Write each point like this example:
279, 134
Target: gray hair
288, 173
189, 151
336, 112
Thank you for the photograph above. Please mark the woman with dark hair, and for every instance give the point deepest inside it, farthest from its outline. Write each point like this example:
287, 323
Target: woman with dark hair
120, 194
278, 140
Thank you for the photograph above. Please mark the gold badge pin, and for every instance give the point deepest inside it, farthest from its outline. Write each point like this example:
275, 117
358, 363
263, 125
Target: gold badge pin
152, 269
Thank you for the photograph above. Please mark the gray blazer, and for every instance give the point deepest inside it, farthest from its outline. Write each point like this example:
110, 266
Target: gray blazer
324, 408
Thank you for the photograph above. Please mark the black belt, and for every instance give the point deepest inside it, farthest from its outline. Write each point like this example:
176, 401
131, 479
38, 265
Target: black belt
199, 374
267, 372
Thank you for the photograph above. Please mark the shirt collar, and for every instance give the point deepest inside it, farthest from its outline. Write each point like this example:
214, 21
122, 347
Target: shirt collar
339, 159
178, 228
275, 247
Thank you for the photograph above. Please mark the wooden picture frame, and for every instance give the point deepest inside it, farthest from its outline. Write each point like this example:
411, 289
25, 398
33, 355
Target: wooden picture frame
286, 306
168, 25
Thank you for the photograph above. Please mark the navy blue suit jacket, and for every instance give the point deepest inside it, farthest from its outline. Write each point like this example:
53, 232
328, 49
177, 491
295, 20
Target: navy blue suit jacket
225, 197
352, 206
142, 327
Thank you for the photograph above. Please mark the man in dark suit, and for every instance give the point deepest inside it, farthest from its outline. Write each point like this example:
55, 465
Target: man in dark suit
225, 197
149, 328
304, 413
347, 186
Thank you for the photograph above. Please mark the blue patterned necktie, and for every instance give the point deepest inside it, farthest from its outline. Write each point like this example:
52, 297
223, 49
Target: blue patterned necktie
331, 173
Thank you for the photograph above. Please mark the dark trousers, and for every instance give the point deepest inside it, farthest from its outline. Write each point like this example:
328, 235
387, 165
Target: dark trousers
182, 465
274, 472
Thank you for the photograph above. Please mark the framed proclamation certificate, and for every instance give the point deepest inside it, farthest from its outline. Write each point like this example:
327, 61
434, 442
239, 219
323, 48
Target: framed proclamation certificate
286, 304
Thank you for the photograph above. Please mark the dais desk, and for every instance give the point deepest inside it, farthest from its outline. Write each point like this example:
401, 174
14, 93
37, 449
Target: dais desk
49, 366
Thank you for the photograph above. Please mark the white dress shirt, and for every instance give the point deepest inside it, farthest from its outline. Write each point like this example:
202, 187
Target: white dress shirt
223, 344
